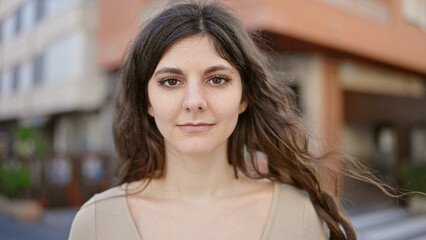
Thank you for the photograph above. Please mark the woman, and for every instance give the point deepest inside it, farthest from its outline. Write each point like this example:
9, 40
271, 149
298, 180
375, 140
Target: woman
196, 106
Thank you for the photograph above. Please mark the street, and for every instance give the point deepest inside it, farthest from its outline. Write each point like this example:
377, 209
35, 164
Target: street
390, 224
55, 225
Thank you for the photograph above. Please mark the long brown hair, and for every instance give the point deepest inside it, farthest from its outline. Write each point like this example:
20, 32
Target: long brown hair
270, 124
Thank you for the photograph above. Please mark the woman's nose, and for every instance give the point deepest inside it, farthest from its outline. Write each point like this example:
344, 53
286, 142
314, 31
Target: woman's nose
194, 97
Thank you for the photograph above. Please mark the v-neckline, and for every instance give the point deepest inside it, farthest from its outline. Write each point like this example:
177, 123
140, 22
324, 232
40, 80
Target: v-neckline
266, 231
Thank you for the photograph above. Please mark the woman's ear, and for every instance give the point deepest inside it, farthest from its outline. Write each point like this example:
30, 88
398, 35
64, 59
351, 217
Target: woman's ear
150, 112
243, 105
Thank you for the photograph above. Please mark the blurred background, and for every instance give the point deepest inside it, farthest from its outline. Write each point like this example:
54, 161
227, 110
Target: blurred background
358, 68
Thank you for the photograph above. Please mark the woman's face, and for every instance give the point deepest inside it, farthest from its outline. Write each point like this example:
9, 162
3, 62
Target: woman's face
195, 97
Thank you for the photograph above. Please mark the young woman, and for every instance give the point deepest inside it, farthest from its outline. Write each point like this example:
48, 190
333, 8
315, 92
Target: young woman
197, 112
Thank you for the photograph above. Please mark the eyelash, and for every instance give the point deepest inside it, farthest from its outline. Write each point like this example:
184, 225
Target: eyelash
222, 77
163, 82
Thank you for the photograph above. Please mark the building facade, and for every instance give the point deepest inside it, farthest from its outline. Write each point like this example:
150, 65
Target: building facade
53, 97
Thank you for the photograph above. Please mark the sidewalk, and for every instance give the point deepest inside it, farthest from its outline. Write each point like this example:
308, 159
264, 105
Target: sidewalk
390, 224
54, 225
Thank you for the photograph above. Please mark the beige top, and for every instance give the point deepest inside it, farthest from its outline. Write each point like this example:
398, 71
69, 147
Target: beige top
106, 216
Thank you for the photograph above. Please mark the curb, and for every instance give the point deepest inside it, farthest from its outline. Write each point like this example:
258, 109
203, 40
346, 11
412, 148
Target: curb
21, 210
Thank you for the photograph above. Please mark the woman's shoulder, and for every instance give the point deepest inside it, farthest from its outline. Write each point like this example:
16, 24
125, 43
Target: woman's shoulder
290, 192
116, 192
93, 215
295, 215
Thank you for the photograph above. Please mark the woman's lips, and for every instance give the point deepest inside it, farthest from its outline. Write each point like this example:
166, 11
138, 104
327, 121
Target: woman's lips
195, 127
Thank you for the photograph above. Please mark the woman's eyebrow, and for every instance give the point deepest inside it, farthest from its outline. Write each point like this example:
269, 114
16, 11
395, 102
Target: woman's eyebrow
168, 70
180, 72
218, 68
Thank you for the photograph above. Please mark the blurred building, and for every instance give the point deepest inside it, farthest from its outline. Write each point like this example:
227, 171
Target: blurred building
54, 111
359, 67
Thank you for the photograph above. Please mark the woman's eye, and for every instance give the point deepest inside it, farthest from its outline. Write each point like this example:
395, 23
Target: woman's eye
170, 82
218, 80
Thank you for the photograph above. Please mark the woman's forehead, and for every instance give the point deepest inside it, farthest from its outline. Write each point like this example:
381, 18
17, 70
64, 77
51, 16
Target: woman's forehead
192, 51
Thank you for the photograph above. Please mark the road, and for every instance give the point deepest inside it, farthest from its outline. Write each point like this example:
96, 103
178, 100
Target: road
55, 225
390, 224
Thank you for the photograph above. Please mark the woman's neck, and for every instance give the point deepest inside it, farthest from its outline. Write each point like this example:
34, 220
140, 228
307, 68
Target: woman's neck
192, 178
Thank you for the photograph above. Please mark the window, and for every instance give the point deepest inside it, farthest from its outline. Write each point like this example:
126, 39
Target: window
29, 12
26, 76
8, 27
376, 10
18, 20
64, 59
40, 9
11, 25
16, 72
1, 31
5, 86
38, 69
55, 6
414, 12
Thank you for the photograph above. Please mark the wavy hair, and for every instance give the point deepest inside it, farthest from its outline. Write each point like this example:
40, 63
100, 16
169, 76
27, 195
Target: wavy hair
270, 124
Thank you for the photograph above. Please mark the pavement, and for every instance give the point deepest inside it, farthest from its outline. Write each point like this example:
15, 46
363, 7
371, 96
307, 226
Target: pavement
390, 224
54, 225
